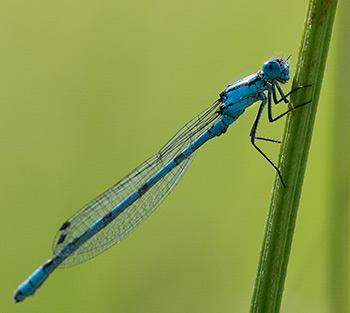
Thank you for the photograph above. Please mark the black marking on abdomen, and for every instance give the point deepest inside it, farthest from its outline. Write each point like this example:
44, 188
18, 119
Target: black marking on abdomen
47, 263
178, 159
107, 217
211, 135
143, 189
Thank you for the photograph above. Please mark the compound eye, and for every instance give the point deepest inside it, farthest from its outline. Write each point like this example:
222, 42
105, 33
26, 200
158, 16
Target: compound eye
271, 69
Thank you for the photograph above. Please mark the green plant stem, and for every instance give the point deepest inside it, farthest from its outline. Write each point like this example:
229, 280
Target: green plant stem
279, 229
339, 213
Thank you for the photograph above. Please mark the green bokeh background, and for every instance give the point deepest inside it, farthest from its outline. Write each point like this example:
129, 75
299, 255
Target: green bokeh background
90, 89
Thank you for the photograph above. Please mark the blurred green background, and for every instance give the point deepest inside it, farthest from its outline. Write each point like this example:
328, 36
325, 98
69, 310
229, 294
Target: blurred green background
90, 89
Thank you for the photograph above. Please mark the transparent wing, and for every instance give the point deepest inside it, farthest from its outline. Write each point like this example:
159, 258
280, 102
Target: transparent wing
141, 208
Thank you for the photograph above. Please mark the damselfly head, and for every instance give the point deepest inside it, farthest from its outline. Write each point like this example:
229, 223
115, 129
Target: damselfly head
277, 69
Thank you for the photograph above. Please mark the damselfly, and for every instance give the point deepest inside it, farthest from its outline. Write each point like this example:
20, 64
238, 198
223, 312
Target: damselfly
110, 217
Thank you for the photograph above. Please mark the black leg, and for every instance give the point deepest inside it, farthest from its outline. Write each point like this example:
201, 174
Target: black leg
271, 95
274, 119
254, 128
283, 96
267, 139
269, 103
